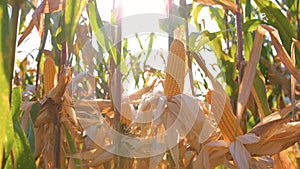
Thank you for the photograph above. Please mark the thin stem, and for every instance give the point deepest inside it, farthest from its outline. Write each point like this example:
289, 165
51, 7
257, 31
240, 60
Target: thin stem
298, 20
170, 5
41, 49
227, 28
119, 55
54, 110
187, 40
119, 162
240, 57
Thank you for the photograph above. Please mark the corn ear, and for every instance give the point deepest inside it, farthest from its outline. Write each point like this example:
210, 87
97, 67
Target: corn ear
49, 75
175, 71
227, 121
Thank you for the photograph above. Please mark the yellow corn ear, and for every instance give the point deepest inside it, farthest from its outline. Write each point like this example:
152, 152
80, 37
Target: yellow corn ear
175, 71
228, 120
49, 75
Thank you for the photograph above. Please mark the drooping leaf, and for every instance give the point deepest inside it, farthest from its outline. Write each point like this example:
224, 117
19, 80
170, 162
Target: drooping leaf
275, 136
217, 14
173, 23
282, 52
198, 40
37, 20
224, 3
276, 18
195, 14
251, 25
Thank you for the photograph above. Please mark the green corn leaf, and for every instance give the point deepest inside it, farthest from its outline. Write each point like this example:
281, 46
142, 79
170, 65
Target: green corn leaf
195, 15
99, 31
260, 95
6, 130
150, 44
23, 158
72, 147
16, 102
276, 18
72, 15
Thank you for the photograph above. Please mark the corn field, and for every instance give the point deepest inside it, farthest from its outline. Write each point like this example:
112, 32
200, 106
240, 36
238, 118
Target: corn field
84, 98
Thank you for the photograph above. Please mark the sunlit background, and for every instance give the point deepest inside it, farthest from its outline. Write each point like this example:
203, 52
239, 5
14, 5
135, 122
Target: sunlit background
132, 9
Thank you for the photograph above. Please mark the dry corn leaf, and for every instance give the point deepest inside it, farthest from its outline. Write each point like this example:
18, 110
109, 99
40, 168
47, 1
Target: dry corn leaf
57, 93
211, 155
293, 80
281, 51
297, 43
137, 96
286, 159
55, 107
46, 6
261, 162
88, 80
191, 119
224, 3
154, 161
88, 54
240, 154
68, 109
250, 72
26, 107
275, 136
238, 151
95, 157
278, 114
275, 76
103, 105
151, 107
184, 117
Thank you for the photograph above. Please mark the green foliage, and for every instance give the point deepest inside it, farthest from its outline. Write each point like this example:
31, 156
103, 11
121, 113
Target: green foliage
6, 130
72, 16
275, 17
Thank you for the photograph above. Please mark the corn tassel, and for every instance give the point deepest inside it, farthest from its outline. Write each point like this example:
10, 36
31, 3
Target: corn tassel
49, 75
175, 70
